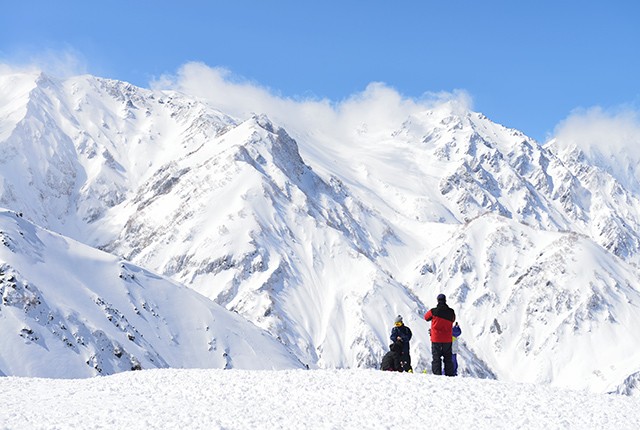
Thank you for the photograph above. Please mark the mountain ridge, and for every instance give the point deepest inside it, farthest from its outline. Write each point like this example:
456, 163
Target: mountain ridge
322, 238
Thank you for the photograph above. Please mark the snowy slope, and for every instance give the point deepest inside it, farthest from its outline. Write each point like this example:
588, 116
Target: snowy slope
612, 186
319, 399
72, 311
553, 305
321, 237
282, 251
75, 148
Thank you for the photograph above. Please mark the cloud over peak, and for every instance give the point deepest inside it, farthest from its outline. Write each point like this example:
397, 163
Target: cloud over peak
609, 138
378, 106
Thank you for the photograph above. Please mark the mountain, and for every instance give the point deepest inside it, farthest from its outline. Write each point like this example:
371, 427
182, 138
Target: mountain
321, 237
69, 310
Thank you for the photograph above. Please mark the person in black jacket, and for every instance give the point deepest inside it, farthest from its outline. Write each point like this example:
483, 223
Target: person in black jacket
401, 332
391, 360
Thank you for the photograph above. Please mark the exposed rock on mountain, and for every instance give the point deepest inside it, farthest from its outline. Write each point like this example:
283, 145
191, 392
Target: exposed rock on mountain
322, 241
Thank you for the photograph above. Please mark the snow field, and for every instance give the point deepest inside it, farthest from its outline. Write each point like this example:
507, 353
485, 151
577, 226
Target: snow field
295, 399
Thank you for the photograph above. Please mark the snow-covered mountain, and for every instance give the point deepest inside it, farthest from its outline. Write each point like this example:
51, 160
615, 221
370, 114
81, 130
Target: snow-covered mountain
69, 310
321, 241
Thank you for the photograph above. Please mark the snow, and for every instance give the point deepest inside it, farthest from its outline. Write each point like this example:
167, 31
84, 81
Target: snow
319, 242
68, 311
295, 399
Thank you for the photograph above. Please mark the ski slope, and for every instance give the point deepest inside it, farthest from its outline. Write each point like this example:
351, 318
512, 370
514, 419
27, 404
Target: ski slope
297, 399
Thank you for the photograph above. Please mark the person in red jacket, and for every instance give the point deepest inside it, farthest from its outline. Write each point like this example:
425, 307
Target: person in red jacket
442, 318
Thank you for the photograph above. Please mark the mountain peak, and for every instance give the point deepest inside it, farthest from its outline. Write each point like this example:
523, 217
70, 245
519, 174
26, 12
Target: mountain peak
323, 239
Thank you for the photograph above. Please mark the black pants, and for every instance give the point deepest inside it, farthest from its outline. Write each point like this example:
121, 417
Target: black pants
405, 361
440, 352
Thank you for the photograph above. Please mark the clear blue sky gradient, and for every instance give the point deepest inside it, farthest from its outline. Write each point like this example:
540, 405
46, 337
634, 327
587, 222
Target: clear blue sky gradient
526, 64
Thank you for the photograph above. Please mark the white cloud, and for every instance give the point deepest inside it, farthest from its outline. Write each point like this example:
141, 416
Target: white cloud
57, 63
609, 138
377, 107
597, 130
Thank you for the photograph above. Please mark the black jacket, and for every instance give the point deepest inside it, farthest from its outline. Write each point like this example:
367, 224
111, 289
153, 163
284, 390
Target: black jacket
404, 333
391, 360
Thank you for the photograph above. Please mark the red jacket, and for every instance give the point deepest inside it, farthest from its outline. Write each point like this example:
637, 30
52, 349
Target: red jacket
442, 318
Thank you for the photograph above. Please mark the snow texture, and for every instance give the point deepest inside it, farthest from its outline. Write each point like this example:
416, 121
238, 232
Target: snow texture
316, 399
81, 312
223, 229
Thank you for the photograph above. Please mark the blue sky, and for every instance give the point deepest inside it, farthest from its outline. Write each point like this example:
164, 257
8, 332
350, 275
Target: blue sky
526, 65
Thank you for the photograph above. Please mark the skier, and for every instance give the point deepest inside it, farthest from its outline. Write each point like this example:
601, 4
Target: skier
455, 332
391, 360
401, 332
442, 318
